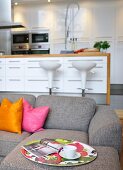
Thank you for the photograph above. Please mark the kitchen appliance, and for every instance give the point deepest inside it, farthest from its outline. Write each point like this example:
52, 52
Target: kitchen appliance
6, 16
30, 42
39, 42
20, 42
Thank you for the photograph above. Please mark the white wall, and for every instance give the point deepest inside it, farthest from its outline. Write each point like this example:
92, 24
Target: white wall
96, 20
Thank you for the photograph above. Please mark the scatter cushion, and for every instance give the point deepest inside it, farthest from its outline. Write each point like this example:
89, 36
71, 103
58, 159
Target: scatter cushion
11, 115
33, 118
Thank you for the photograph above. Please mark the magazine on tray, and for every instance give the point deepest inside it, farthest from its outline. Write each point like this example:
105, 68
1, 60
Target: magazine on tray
43, 147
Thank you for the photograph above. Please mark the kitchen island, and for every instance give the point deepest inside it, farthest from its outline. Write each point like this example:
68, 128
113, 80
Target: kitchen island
22, 73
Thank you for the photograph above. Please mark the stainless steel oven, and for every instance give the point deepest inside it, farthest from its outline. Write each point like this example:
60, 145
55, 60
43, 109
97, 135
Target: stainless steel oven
31, 42
39, 42
20, 42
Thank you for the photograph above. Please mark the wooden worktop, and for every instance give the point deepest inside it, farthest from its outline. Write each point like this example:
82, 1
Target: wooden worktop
90, 54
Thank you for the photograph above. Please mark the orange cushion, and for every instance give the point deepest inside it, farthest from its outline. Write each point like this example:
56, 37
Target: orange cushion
11, 115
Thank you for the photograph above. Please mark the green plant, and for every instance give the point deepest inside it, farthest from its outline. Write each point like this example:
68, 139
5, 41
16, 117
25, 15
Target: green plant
105, 45
97, 44
101, 45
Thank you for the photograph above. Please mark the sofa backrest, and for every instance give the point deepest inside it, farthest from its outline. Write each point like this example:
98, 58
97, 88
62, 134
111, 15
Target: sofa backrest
70, 113
13, 97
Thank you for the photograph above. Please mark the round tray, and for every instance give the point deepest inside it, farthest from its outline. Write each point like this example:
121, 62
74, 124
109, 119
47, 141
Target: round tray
88, 154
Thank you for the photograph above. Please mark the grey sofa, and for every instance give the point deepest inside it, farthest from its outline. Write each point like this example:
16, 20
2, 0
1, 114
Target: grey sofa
74, 118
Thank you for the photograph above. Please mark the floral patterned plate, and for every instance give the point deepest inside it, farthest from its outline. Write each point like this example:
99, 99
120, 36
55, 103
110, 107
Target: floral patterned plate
88, 154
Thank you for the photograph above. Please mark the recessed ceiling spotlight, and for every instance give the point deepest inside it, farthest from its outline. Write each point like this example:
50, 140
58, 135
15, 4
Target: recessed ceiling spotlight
16, 3
49, 0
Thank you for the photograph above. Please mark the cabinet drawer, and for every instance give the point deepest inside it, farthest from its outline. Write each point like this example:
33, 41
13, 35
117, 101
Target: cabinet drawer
2, 70
14, 70
58, 85
97, 60
14, 84
2, 83
73, 86
98, 72
37, 84
2, 61
36, 61
14, 61
35, 71
41, 73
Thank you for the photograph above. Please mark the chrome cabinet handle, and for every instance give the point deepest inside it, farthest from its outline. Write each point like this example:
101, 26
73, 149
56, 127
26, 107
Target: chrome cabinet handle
14, 80
35, 80
33, 67
14, 67
14, 61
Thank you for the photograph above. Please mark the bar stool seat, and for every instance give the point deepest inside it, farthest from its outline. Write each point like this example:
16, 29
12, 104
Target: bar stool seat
83, 67
50, 67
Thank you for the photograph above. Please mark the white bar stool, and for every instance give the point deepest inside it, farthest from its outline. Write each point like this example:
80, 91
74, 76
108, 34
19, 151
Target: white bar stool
83, 67
50, 67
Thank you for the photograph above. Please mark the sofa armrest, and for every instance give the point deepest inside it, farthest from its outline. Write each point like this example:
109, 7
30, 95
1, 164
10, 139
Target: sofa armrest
105, 128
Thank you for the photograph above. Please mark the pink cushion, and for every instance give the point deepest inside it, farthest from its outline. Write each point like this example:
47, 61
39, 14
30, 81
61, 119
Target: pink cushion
33, 118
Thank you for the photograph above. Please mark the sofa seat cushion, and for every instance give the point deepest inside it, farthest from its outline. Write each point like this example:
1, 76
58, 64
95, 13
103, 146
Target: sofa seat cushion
69, 113
107, 159
15, 157
9, 140
56, 133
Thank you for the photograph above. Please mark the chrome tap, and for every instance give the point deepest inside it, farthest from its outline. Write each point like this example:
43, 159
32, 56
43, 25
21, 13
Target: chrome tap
67, 26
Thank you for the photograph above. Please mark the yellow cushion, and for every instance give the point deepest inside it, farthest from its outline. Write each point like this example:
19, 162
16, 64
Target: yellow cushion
11, 115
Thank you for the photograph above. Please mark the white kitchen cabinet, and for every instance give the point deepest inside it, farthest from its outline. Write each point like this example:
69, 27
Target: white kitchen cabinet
104, 22
2, 67
26, 75
36, 84
15, 84
96, 78
82, 22
119, 24
36, 78
2, 74
15, 74
92, 86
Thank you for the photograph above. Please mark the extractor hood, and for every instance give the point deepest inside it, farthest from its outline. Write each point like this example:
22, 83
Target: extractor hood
9, 25
6, 16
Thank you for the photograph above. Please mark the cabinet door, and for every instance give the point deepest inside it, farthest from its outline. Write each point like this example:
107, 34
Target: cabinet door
15, 84
92, 86
119, 24
82, 23
102, 16
2, 74
14, 67
15, 74
96, 79
36, 78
